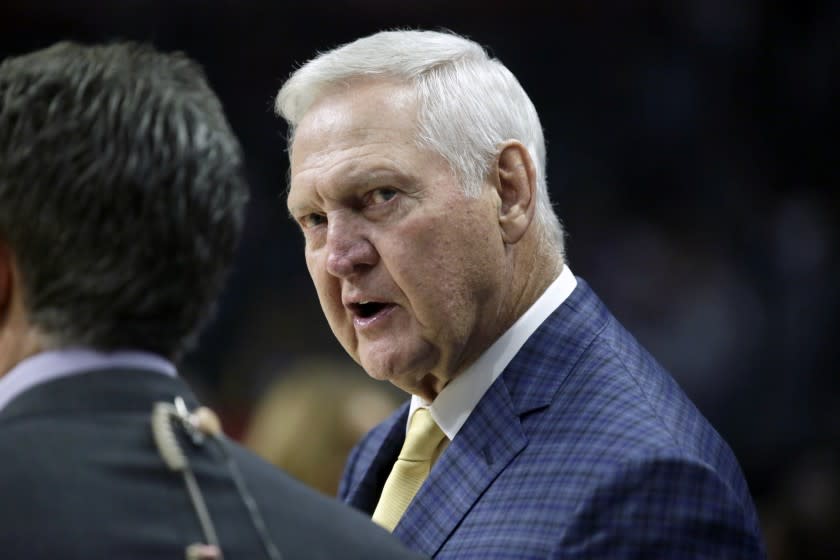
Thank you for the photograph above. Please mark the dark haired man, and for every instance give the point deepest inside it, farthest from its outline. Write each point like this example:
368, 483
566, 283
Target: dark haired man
121, 203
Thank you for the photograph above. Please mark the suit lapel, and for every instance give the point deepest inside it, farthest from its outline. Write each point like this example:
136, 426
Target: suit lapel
376, 461
493, 435
487, 442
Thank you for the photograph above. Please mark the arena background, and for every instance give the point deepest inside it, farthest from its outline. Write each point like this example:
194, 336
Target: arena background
692, 157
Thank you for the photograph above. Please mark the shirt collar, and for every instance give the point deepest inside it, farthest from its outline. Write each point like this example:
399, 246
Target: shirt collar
53, 364
457, 400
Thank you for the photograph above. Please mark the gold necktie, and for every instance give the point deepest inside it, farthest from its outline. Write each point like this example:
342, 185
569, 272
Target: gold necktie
410, 470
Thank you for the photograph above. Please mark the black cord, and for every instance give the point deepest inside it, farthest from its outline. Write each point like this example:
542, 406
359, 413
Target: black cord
248, 499
174, 457
170, 450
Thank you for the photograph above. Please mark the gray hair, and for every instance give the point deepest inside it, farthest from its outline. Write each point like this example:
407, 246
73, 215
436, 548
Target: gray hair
469, 103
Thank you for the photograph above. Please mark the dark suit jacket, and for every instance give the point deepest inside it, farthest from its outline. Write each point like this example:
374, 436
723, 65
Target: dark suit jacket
584, 447
81, 478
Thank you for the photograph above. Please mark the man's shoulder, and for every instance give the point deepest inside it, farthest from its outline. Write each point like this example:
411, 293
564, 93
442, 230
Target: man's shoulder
620, 399
607, 400
84, 465
314, 525
608, 430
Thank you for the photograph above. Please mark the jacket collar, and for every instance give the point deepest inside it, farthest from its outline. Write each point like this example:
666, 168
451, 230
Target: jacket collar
112, 390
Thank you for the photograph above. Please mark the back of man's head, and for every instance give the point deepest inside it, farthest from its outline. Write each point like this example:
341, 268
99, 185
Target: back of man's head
121, 194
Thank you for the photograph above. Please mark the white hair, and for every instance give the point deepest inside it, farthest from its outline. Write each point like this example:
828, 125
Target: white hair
468, 102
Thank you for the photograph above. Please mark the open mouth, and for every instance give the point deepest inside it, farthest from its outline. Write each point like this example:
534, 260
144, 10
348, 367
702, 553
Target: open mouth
367, 309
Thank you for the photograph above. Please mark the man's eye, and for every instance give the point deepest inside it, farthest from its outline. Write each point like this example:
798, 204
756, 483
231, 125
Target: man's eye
312, 220
380, 196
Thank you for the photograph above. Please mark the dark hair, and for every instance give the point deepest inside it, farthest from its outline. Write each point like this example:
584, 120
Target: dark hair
121, 194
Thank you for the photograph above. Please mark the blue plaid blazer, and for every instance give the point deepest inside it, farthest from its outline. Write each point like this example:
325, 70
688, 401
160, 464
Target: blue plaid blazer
584, 447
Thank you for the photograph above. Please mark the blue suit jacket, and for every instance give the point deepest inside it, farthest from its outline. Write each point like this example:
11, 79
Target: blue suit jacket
584, 447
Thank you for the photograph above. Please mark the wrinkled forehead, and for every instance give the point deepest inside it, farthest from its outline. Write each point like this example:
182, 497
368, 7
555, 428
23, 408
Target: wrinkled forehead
356, 106
363, 119
358, 136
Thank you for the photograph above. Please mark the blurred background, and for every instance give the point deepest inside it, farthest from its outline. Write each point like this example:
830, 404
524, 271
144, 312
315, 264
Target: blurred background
692, 157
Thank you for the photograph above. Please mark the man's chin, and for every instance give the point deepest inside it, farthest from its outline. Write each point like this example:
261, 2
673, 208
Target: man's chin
380, 372
422, 385
408, 371
397, 377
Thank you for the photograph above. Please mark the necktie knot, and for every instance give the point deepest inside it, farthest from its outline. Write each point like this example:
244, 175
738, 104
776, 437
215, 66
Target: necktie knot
423, 437
411, 468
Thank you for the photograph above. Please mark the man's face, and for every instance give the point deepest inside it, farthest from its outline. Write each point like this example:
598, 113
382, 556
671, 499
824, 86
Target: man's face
409, 271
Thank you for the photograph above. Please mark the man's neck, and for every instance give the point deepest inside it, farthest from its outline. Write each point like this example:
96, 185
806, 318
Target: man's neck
533, 274
525, 294
18, 343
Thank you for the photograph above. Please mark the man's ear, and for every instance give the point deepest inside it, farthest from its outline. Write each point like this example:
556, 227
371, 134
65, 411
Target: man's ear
517, 190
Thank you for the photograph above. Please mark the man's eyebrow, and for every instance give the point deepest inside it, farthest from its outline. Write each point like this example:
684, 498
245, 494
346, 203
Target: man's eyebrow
296, 209
355, 179
365, 176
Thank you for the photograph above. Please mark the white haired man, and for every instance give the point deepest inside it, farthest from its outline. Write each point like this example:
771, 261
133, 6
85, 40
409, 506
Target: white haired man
537, 427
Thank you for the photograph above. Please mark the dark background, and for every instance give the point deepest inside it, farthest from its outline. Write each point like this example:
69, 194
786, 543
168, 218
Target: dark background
692, 158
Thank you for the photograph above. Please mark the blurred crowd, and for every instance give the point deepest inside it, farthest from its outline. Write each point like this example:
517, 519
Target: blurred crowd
692, 159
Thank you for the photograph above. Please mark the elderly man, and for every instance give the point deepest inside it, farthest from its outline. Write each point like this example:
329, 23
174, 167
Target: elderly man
537, 427
121, 202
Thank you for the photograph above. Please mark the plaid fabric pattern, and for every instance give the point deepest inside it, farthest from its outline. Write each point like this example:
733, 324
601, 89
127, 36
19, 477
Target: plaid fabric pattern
583, 448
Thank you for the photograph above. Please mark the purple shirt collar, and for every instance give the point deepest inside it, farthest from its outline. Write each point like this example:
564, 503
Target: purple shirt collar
54, 364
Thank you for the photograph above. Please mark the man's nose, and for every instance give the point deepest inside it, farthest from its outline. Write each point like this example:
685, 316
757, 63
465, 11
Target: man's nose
348, 249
